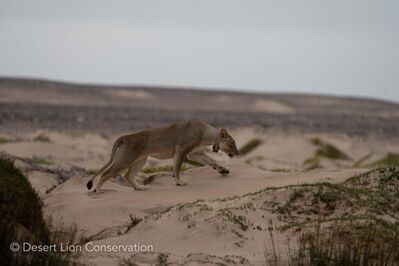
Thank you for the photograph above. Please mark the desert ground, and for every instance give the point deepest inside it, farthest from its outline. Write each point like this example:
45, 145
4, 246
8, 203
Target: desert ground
293, 148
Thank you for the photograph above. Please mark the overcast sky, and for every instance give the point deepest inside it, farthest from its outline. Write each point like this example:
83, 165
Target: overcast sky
343, 47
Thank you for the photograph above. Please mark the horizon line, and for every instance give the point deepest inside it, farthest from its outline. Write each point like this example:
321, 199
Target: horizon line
193, 88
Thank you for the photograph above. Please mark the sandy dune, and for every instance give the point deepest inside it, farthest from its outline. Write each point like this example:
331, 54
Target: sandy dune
71, 200
101, 216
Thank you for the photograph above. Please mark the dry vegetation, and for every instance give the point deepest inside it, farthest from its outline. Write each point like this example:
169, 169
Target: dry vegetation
355, 222
348, 243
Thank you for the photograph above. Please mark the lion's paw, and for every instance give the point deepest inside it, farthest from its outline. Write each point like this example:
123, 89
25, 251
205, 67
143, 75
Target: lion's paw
224, 171
140, 187
180, 183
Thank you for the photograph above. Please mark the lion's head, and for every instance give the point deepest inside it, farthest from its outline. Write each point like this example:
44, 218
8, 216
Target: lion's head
226, 143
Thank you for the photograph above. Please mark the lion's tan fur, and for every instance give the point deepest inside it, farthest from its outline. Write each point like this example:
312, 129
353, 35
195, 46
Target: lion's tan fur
176, 141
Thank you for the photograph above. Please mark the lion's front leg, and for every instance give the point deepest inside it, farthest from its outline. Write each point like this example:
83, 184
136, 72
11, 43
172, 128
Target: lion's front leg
202, 158
177, 162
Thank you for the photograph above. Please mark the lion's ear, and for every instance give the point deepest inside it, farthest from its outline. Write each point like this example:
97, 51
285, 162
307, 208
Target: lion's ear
223, 133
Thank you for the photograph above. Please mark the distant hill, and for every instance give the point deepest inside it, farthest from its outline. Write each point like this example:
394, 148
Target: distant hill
34, 103
15, 90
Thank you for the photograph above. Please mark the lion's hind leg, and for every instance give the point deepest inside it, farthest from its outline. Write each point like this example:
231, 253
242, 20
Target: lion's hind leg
131, 174
111, 172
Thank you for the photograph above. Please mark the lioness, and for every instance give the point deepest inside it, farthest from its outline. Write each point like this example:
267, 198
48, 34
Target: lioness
176, 141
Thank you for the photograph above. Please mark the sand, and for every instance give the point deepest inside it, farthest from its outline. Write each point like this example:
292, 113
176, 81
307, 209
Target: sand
103, 217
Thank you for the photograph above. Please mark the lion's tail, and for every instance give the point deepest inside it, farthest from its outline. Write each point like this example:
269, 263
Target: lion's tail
117, 143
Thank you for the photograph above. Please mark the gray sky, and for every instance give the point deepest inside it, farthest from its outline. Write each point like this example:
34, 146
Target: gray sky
344, 47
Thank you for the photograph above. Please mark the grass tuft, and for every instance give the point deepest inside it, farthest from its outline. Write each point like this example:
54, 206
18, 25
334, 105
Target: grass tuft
161, 168
3, 140
327, 150
42, 138
249, 146
312, 163
350, 243
43, 161
91, 171
391, 159
193, 163
359, 163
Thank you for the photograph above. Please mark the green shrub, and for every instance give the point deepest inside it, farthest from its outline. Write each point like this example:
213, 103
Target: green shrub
22, 221
19, 202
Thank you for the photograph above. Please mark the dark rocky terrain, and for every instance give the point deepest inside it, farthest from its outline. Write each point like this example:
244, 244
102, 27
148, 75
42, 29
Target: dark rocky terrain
28, 103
